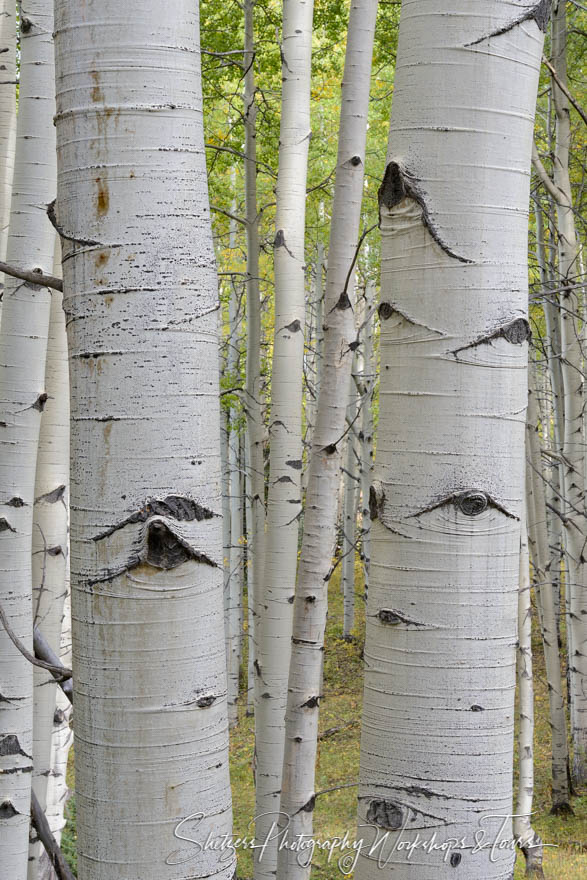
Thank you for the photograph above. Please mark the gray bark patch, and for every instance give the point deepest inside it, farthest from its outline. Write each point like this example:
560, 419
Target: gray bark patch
40, 402
385, 814
8, 810
540, 13
52, 497
516, 332
173, 506
10, 745
15, 502
397, 185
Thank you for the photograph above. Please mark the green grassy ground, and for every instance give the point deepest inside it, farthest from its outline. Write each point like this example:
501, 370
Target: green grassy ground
338, 761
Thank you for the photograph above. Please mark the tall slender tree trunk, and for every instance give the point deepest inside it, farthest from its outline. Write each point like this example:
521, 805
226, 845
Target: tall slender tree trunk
572, 379
284, 496
541, 560
7, 114
235, 568
50, 549
366, 435
349, 510
438, 716
23, 348
311, 597
141, 302
528, 841
255, 430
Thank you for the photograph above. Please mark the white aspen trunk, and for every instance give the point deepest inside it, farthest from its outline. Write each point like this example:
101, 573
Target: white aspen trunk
366, 435
320, 520
250, 710
141, 302
235, 570
23, 347
7, 114
572, 380
349, 514
274, 623
255, 430
552, 345
541, 560
526, 838
438, 715
61, 741
50, 548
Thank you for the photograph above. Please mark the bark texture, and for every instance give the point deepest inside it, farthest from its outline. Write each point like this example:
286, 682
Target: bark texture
141, 303
438, 717
50, 549
23, 347
310, 607
285, 430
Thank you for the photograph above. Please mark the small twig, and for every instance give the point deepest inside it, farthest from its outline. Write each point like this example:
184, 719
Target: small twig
331, 731
336, 788
61, 671
52, 848
354, 260
34, 276
564, 89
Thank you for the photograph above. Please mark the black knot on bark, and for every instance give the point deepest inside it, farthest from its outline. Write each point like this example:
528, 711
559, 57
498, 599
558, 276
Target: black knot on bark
309, 806
385, 311
343, 301
473, 503
455, 860
392, 189
204, 702
477, 708
385, 814
356, 160
517, 332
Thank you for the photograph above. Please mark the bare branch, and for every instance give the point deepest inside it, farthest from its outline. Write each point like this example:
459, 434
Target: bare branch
34, 276
61, 671
52, 848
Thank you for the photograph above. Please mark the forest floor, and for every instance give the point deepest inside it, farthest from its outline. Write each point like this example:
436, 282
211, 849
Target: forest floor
338, 760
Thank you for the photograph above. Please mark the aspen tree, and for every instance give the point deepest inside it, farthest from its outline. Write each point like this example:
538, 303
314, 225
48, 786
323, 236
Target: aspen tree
311, 596
7, 114
285, 429
23, 346
255, 429
438, 716
50, 548
141, 301
528, 841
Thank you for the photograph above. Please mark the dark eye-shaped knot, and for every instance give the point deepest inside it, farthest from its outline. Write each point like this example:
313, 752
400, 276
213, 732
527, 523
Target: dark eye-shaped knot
473, 503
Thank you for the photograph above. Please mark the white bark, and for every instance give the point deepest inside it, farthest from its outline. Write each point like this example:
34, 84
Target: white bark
7, 114
284, 497
141, 302
61, 741
366, 435
438, 716
349, 512
527, 839
311, 597
50, 548
235, 556
544, 593
572, 379
23, 346
255, 432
